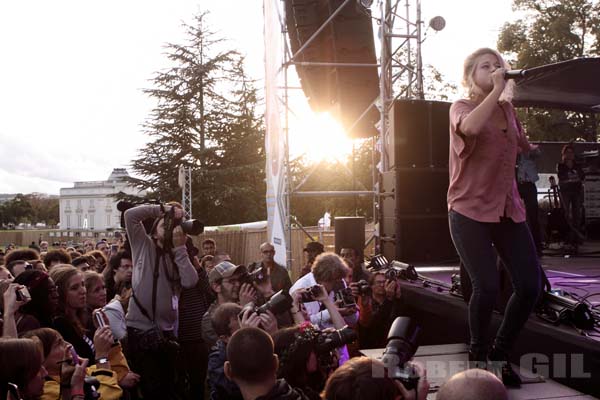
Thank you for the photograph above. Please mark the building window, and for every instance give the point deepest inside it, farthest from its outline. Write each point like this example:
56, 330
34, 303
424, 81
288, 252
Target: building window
78, 203
68, 221
79, 221
108, 220
91, 221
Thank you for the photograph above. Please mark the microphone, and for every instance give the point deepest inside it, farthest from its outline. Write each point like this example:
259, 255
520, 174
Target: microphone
515, 74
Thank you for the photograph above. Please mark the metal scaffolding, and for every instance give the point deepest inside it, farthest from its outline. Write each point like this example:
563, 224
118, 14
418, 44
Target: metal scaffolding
185, 183
400, 76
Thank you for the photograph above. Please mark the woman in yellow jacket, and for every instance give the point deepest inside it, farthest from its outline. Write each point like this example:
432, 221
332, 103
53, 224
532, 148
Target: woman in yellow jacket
66, 372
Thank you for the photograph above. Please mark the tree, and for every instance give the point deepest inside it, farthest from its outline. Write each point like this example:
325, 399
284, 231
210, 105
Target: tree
553, 31
205, 118
17, 210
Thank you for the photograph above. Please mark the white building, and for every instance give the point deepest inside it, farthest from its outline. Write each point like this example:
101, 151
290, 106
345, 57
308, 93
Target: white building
91, 206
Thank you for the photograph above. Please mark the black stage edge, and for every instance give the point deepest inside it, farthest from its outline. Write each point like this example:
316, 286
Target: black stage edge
443, 319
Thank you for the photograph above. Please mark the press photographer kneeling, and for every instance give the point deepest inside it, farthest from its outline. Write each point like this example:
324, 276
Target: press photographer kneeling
161, 268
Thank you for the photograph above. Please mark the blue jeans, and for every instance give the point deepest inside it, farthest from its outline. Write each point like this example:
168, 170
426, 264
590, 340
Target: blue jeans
475, 243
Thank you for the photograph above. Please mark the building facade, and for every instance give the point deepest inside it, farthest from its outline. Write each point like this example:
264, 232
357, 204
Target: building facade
91, 206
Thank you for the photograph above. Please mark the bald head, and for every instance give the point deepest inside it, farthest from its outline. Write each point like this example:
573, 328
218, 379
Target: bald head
472, 384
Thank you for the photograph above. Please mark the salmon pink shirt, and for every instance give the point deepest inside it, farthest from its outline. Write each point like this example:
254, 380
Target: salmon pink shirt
482, 167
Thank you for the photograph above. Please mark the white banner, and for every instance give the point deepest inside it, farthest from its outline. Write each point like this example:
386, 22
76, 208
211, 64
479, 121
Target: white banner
275, 137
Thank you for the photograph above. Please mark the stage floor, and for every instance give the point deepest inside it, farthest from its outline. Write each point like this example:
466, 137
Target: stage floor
443, 318
578, 274
443, 361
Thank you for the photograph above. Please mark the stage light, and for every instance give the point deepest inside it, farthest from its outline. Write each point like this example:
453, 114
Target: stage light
556, 309
437, 23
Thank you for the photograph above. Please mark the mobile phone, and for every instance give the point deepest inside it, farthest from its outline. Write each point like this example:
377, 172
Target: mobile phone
23, 294
99, 319
114, 248
74, 355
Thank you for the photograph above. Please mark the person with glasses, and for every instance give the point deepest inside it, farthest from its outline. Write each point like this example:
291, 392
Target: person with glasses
224, 280
378, 310
280, 279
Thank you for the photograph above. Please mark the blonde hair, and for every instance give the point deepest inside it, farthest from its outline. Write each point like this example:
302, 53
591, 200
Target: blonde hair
469, 70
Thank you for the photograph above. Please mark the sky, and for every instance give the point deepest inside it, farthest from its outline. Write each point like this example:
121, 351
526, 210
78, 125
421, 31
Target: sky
72, 74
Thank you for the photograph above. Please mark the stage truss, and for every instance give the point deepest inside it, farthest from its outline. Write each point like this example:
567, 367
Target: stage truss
398, 34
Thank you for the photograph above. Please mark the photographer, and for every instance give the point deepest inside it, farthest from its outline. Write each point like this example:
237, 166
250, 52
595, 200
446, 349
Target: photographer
365, 378
159, 273
307, 357
315, 293
252, 365
224, 280
329, 271
378, 309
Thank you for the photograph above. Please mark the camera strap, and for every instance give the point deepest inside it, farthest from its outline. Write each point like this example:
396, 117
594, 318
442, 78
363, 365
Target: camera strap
154, 286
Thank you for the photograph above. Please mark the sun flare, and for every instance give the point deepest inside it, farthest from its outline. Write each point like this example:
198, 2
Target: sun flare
318, 137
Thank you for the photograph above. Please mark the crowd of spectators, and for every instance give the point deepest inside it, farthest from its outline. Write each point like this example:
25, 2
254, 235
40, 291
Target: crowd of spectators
150, 316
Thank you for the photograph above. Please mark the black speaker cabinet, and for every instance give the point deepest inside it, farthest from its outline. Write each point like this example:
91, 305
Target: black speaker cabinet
349, 233
420, 134
414, 223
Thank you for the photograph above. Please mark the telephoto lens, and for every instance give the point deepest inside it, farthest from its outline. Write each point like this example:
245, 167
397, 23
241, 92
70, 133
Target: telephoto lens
328, 341
401, 347
192, 227
279, 303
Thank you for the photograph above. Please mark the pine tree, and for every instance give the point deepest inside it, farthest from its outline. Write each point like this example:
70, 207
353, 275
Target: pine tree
205, 118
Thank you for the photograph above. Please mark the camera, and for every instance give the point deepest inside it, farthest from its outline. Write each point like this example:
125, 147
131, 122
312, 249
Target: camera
279, 303
328, 341
258, 275
345, 297
310, 294
363, 287
343, 294
192, 227
23, 294
401, 347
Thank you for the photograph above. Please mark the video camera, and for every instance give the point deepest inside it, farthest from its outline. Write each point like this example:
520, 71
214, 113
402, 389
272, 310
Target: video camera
401, 347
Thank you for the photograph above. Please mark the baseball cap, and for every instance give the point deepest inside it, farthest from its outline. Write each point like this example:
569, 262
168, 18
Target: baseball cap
224, 270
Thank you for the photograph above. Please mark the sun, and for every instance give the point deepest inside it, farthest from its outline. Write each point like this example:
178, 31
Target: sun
318, 137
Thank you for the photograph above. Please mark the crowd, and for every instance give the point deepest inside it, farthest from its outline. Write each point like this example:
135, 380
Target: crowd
150, 316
